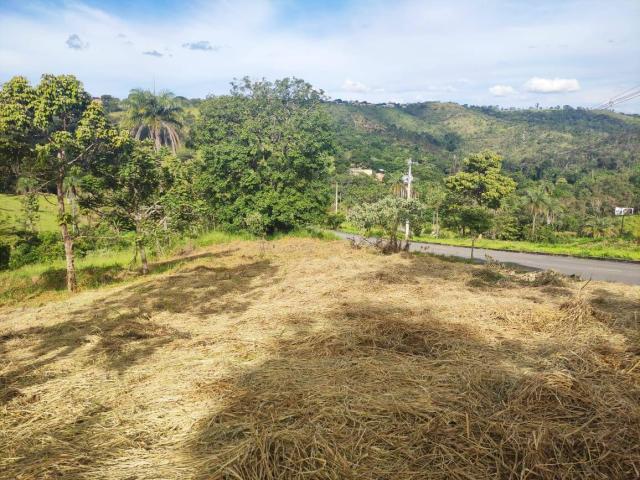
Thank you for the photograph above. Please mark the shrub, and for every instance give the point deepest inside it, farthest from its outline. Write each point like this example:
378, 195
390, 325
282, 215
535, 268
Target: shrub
334, 220
5, 255
388, 215
34, 248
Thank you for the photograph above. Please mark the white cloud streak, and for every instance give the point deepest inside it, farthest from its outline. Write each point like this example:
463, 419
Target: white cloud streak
502, 90
353, 86
552, 85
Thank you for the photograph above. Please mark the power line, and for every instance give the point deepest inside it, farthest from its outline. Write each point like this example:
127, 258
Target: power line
621, 97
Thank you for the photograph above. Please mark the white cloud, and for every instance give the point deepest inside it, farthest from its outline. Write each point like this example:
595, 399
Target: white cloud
353, 86
379, 47
75, 42
502, 90
201, 45
552, 85
153, 53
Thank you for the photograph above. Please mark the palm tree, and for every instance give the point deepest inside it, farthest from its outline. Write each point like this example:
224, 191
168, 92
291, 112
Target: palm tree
537, 201
156, 117
598, 226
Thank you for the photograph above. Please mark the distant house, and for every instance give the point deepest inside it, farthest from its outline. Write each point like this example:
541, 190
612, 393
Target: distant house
379, 175
361, 171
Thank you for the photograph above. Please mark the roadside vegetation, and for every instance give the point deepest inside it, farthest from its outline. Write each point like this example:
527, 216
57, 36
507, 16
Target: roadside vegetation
615, 249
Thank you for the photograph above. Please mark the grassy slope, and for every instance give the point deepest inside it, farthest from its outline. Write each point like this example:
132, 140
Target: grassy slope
11, 212
320, 358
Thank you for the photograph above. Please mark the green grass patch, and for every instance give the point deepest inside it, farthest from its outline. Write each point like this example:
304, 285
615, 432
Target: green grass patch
616, 249
11, 212
580, 247
97, 268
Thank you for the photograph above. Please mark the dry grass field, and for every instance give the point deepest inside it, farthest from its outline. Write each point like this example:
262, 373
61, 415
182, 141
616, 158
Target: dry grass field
319, 361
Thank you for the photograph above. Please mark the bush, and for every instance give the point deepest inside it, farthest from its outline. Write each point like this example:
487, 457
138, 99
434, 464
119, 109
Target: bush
334, 220
5, 255
387, 214
35, 248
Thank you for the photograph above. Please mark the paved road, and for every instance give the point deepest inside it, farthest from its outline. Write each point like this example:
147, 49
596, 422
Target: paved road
608, 270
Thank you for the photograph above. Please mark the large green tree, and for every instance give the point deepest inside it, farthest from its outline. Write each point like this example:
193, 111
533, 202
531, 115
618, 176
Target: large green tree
51, 130
267, 148
475, 193
17, 133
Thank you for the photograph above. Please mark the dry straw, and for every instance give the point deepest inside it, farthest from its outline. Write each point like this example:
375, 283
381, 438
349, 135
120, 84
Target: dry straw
321, 362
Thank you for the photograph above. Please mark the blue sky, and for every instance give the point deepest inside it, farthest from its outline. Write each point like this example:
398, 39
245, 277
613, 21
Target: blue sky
498, 52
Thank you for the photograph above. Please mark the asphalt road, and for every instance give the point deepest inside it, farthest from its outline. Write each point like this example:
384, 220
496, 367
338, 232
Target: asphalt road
607, 270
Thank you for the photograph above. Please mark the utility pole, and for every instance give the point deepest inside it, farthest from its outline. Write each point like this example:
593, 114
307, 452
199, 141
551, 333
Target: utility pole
409, 180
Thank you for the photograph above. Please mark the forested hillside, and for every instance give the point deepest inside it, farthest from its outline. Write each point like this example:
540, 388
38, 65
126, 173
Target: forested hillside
537, 144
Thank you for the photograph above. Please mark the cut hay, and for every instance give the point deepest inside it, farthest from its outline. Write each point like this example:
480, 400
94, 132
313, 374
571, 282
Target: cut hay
318, 361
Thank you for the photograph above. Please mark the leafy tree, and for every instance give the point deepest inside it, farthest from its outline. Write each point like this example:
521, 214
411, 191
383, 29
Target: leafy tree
110, 103
481, 182
183, 202
17, 132
127, 193
475, 191
358, 189
387, 215
434, 195
452, 141
154, 117
51, 130
478, 219
267, 148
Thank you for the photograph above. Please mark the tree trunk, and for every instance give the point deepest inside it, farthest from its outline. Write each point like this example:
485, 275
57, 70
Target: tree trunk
72, 284
142, 251
143, 259
473, 244
533, 226
73, 200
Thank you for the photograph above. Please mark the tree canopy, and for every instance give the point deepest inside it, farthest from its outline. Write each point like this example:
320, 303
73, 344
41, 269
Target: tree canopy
266, 148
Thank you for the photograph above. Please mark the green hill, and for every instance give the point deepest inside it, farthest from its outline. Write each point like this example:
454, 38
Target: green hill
535, 144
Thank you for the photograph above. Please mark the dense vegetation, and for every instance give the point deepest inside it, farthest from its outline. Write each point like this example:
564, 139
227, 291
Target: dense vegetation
259, 158
143, 172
